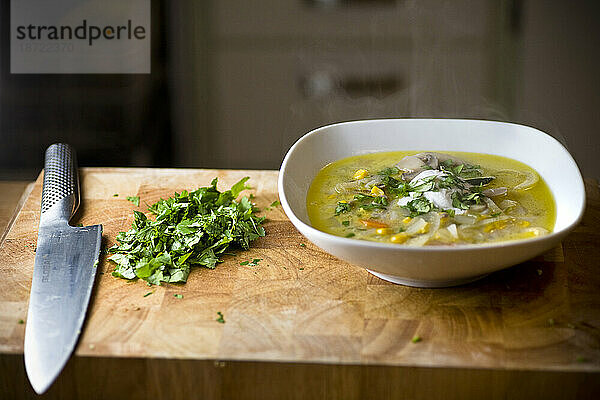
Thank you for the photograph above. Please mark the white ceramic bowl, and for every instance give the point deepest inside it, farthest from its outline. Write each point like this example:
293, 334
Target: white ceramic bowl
432, 266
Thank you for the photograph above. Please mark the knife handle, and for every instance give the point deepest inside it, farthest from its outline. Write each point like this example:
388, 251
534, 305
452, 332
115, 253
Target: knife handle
60, 193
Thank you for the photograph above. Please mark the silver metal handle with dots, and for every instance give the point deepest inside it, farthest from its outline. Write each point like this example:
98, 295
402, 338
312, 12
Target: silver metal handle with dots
60, 193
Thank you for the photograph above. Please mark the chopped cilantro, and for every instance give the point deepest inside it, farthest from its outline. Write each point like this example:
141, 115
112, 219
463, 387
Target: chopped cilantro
178, 296
419, 205
116, 195
342, 207
189, 229
275, 203
416, 339
301, 268
79, 225
390, 171
464, 201
350, 235
461, 170
148, 294
426, 185
395, 187
134, 199
376, 202
221, 318
21, 322
494, 215
302, 245
252, 263
362, 197
346, 223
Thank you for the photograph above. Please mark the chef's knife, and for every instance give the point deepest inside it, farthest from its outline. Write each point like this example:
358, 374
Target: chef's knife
63, 274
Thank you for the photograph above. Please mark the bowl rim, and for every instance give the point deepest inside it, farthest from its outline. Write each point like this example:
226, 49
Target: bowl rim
302, 226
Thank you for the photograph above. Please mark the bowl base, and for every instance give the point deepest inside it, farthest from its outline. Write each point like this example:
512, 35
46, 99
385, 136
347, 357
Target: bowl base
426, 283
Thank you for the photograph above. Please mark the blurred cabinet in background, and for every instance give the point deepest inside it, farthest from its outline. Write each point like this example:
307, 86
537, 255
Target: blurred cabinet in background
275, 69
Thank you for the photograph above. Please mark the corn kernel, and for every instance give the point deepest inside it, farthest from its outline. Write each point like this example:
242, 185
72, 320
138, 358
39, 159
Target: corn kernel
528, 234
407, 220
377, 192
360, 173
424, 229
524, 224
399, 238
343, 201
383, 231
495, 225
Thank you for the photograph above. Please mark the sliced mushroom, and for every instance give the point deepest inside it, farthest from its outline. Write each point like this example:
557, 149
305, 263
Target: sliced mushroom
501, 191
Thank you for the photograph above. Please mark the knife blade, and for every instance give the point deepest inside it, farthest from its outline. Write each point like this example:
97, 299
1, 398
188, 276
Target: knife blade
63, 274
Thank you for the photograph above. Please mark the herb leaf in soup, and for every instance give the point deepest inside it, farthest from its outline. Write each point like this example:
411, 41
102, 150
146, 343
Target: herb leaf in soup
431, 198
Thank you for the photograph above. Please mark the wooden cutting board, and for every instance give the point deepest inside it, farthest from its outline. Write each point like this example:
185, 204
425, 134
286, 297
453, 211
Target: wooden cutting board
301, 306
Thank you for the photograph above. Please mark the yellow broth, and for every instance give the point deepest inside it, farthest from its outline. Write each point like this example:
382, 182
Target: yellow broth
534, 214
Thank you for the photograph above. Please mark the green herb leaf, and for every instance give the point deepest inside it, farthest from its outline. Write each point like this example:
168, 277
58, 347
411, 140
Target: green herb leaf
390, 171
363, 197
426, 185
419, 206
148, 294
275, 203
134, 199
377, 202
189, 229
463, 201
416, 339
178, 296
346, 223
342, 207
221, 318
252, 263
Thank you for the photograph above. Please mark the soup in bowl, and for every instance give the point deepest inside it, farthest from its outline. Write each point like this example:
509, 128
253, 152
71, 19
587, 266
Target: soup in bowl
431, 202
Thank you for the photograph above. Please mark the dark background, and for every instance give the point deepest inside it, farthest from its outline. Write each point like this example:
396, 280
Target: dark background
235, 83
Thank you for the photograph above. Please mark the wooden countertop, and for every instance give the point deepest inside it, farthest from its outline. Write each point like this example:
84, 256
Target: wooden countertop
303, 324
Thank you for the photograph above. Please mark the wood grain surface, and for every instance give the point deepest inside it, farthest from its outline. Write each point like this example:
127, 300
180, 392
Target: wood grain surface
14, 194
302, 321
